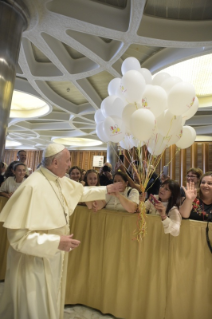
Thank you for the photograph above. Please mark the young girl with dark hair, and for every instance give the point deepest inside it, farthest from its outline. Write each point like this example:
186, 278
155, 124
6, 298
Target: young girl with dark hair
13, 182
125, 200
75, 174
167, 207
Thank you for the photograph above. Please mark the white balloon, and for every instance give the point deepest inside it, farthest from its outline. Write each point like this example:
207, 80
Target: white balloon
159, 78
156, 144
100, 133
125, 143
181, 97
114, 86
142, 123
147, 75
130, 64
174, 138
191, 111
134, 142
167, 123
114, 129
188, 137
169, 82
127, 112
154, 99
132, 86
112, 106
99, 117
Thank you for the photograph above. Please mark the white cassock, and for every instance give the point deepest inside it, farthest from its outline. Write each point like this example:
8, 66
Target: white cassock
35, 216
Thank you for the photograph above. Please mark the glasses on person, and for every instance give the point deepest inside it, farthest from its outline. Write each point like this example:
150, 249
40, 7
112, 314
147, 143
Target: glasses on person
191, 176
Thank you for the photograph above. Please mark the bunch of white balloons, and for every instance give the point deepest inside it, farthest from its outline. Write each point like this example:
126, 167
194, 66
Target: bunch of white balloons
140, 110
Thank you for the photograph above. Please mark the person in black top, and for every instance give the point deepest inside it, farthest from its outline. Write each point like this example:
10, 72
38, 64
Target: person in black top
153, 185
198, 205
105, 176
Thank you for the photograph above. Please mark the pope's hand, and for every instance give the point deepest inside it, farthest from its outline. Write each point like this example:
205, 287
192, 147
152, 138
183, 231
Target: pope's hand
114, 188
67, 243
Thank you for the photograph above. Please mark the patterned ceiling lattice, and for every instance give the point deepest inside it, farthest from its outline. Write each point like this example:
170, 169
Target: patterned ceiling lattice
73, 49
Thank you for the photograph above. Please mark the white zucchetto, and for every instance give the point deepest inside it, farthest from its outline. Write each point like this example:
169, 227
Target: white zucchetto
53, 149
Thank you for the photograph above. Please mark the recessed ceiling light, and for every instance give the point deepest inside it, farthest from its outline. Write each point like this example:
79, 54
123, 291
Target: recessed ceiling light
197, 71
10, 143
74, 141
25, 105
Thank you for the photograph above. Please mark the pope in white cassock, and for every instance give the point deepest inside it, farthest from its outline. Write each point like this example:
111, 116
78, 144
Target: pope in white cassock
37, 222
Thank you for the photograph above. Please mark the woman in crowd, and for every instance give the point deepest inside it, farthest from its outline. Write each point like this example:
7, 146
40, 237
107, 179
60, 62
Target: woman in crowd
198, 204
9, 171
193, 176
92, 179
13, 182
75, 174
127, 200
167, 206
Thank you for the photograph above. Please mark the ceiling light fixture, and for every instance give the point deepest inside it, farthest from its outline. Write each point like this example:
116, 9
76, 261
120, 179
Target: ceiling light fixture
76, 142
10, 143
25, 105
197, 71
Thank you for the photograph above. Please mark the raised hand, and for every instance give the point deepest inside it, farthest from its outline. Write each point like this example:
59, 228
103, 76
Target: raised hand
190, 191
67, 243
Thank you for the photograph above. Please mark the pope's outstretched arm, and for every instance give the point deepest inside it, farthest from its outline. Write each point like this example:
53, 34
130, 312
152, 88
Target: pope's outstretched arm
97, 193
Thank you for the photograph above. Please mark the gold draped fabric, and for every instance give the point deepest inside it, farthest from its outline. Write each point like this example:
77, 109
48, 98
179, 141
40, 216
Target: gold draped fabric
161, 277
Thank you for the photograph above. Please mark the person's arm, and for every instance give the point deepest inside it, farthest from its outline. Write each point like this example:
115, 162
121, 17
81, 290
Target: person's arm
39, 244
7, 195
129, 205
92, 193
172, 224
98, 205
4, 189
89, 204
191, 194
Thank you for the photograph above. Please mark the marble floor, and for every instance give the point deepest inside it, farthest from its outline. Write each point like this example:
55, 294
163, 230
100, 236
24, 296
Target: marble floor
77, 312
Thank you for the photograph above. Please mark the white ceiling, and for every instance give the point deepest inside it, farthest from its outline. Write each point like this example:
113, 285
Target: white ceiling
73, 48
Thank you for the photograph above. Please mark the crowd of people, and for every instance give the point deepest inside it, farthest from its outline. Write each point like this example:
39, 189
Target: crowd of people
171, 202
38, 230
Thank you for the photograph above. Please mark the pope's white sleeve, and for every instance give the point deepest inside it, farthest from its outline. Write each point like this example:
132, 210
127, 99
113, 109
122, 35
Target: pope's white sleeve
91, 193
172, 224
33, 243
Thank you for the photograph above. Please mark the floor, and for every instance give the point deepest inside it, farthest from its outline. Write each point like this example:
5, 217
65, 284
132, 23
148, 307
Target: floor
77, 312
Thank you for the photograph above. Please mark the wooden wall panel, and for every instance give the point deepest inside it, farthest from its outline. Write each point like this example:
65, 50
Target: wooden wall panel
179, 161
33, 158
84, 159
